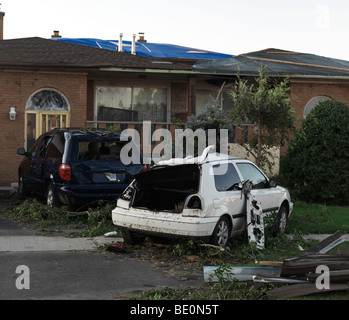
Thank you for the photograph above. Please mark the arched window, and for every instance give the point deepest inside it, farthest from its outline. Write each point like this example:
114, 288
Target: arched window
47, 99
312, 103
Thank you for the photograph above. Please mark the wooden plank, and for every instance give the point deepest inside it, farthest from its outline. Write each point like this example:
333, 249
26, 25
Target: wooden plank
321, 246
310, 266
277, 281
271, 263
301, 289
335, 276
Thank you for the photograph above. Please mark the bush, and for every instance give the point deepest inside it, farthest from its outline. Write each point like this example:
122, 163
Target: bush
316, 167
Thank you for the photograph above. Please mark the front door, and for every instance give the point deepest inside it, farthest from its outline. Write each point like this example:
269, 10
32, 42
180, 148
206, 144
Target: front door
39, 122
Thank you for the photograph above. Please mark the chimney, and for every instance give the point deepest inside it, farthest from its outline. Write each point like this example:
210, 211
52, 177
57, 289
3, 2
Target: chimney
2, 14
141, 37
56, 34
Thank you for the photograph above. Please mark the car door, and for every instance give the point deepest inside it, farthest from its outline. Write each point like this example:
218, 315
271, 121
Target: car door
268, 196
227, 196
38, 163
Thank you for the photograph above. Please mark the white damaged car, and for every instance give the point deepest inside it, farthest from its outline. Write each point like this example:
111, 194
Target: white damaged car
198, 198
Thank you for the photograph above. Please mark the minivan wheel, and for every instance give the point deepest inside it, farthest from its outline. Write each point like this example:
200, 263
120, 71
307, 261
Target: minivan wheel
51, 196
221, 233
21, 189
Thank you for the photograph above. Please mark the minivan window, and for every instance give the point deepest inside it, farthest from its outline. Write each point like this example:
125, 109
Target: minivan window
56, 148
250, 172
93, 150
42, 148
224, 182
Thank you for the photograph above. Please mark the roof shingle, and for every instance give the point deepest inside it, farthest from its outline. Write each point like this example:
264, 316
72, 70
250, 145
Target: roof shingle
43, 52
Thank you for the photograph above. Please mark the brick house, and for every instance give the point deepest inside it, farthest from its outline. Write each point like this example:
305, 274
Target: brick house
312, 78
57, 84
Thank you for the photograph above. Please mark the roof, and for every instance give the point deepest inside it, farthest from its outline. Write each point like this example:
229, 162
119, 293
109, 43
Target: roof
279, 63
43, 52
148, 49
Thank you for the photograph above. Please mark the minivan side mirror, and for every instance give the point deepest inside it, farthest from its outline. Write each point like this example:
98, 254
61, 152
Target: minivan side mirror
272, 184
22, 152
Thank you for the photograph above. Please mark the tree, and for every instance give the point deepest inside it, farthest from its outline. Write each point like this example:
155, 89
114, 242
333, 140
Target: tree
316, 166
267, 106
212, 119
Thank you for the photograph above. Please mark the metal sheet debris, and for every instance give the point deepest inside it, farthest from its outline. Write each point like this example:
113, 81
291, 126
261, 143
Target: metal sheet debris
240, 273
295, 276
255, 223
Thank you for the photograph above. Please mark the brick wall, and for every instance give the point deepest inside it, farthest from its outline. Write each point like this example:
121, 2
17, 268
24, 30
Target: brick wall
302, 91
15, 89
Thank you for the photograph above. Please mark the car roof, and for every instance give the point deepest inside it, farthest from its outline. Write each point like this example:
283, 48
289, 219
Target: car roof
206, 157
89, 133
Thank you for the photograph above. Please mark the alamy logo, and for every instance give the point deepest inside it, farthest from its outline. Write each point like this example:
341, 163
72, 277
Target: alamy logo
323, 280
23, 280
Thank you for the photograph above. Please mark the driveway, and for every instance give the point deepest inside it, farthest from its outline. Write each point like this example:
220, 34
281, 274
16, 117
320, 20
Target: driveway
74, 268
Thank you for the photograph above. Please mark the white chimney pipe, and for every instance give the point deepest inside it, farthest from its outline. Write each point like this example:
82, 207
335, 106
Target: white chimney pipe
120, 42
133, 49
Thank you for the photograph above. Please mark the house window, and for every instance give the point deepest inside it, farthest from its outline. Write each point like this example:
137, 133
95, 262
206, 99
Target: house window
207, 98
47, 99
131, 104
312, 103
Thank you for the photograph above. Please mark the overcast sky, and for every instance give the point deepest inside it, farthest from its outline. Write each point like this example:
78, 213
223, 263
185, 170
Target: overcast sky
226, 26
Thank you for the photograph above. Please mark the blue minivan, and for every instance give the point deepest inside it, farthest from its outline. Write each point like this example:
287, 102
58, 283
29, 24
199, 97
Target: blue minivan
77, 167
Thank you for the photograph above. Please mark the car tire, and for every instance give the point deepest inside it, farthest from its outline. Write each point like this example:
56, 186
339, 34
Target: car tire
21, 187
51, 196
221, 232
282, 218
131, 238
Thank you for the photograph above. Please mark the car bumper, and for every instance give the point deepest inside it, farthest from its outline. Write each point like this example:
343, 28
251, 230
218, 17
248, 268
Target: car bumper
73, 197
163, 223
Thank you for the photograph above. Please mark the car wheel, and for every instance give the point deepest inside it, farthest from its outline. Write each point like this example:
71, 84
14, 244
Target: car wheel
21, 187
282, 219
131, 238
51, 196
221, 233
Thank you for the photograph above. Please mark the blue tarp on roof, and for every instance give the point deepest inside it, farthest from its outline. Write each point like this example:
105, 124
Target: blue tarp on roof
146, 49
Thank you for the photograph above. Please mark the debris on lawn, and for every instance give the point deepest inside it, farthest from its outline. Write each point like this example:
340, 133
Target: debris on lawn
117, 248
315, 271
240, 273
111, 234
255, 223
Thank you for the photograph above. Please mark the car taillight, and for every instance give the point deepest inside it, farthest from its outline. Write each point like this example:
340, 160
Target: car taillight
194, 203
144, 169
64, 171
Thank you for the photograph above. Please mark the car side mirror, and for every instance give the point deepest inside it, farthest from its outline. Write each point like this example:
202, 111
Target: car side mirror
272, 184
22, 152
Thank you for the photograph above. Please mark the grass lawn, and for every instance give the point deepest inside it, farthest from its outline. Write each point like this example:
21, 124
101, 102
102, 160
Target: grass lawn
315, 218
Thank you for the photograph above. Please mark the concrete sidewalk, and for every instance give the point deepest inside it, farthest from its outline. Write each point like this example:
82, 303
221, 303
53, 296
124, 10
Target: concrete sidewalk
42, 243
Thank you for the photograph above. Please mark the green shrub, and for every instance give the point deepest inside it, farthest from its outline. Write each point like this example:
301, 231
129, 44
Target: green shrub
316, 167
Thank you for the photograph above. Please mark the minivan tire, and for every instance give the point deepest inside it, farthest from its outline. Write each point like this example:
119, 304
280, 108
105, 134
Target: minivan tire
221, 232
21, 189
51, 196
